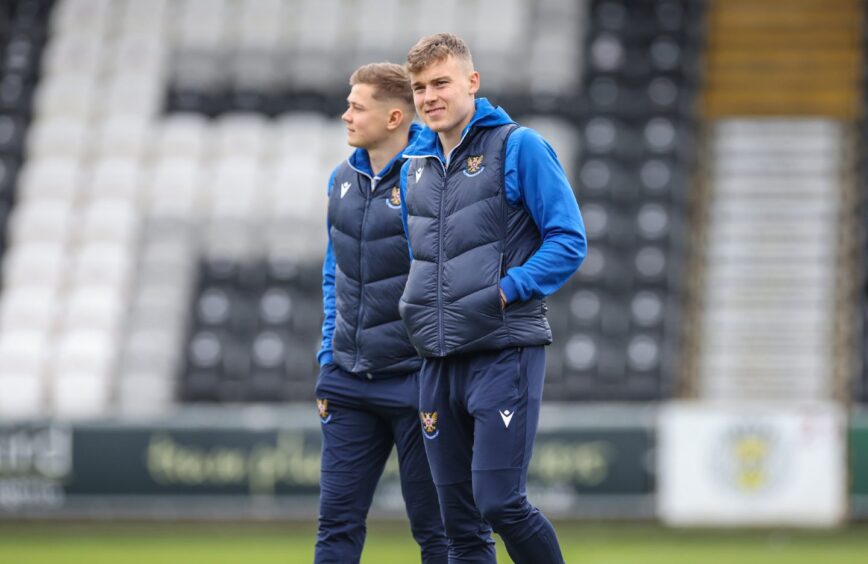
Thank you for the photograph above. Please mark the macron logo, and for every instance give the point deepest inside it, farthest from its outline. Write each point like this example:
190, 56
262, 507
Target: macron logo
506, 415
344, 187
418, 174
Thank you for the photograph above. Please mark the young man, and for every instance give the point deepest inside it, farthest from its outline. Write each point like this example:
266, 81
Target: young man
493, 227
368, 391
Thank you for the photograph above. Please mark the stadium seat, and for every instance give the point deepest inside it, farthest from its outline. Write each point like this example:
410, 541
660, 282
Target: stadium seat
81, 374
116, 178
23, 356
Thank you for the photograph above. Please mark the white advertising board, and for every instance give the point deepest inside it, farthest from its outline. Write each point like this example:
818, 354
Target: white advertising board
751, 464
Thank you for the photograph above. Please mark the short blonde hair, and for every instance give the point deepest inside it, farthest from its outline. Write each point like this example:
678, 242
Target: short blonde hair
390, 81
435, 48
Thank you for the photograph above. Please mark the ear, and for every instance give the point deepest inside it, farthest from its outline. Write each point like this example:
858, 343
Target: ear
474, 83
396, 118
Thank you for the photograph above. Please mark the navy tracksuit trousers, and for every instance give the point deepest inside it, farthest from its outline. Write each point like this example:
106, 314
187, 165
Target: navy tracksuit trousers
361, 421
479, 419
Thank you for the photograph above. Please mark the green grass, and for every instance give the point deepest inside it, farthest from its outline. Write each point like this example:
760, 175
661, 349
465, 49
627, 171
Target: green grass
390, 543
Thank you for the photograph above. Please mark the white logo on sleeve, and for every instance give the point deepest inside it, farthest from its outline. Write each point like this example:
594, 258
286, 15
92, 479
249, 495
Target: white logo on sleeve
418, 174
344, 187
506, 415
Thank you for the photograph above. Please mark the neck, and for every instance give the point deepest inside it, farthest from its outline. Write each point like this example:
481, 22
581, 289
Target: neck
449, 139
383, 153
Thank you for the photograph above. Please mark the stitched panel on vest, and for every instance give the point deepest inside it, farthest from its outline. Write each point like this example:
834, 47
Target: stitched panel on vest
423, 237
475, 225
424, 290
381, 305
423, 318
475, 269
465, 191
391, 256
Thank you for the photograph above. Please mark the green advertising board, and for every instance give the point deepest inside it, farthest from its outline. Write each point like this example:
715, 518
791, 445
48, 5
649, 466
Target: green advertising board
858, 456
271, 466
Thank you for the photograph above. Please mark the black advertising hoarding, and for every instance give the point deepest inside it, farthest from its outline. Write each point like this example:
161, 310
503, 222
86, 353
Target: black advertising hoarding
47, 468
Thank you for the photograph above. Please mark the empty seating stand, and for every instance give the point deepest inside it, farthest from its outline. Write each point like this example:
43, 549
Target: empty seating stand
617, 321
23, 344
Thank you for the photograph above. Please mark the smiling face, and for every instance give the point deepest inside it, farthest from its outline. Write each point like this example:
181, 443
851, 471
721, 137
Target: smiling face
443, 93
366, 118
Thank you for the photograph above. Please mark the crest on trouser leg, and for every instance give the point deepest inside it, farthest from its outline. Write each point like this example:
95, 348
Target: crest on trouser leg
429, 424
322, 406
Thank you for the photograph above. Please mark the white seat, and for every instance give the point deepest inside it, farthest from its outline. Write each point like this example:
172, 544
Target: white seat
41, 221
109, 221
116, 179
23, 356
161, 306
125, 136
168, 261
182, 136
33, 308
175, 189
234, 191
146, 53
241, 135
202, 24
58, 138
374, 16
286, 237
82, 371
300, 135
233, 239
145, 393
103, 264
66, 96
296, 190
57, 178
73, 53
74, 15
172, 231
143, 18
261, 23
94, 308
25, 264
152, 350
133, 94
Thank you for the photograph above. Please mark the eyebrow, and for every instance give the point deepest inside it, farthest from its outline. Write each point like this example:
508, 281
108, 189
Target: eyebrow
414, 84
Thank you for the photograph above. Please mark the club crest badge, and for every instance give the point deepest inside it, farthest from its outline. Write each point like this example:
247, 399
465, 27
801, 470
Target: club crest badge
394, 200
473, 165
429, 424
322, 406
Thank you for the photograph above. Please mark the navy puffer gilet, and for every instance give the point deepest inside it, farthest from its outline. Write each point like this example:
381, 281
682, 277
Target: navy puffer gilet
464, 236
371, 265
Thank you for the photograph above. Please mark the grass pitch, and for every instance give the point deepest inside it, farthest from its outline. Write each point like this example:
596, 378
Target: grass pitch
390, 543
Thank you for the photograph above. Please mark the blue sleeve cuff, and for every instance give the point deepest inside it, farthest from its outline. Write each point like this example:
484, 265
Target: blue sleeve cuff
325, 357
509, 289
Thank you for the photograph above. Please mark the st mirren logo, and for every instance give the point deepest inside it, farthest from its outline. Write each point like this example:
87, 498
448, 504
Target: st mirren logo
429, 424
750, 459
322, 406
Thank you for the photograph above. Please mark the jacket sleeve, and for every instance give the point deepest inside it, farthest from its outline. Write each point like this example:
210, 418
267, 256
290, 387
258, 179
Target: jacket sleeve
535, 179
324, 356
402, 186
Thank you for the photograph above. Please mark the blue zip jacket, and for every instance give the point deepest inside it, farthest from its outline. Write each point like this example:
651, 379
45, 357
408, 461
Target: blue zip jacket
358, 161
534, 179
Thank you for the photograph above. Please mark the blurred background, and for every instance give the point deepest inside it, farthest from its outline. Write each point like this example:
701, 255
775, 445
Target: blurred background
163, 170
